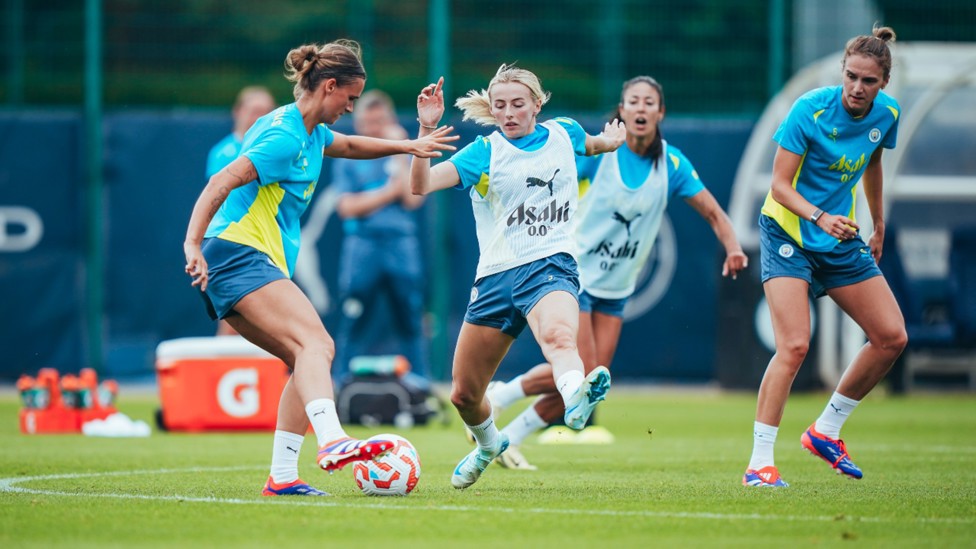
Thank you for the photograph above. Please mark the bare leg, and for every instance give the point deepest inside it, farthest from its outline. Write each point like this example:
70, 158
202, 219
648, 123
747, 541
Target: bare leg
550, 407
790, 311
587, 341
291, 410
224, 328
871, 304
480, 349
606, 335
280, 319
538, 380
873, 307
554, 321
598, 337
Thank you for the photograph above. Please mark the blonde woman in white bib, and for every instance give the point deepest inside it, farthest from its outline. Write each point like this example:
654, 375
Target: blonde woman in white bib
624, 197
524, 190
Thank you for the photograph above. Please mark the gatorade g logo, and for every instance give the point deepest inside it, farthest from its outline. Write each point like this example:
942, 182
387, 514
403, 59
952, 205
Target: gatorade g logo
21, 229
30, 422
237, 392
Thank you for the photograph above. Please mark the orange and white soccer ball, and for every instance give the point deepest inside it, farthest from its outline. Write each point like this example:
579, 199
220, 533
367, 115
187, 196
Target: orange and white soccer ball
395, 473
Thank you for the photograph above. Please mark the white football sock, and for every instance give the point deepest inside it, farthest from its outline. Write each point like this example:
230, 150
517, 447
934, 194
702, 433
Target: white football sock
504, 395
569, 383
524, 425
325, 420
485, 433
763, 440
284, 456
834, 415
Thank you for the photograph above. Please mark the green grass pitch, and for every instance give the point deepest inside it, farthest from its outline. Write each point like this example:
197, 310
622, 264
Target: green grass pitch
671, 479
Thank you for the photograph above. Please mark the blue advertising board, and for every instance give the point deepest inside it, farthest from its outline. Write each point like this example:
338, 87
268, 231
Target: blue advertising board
154, 171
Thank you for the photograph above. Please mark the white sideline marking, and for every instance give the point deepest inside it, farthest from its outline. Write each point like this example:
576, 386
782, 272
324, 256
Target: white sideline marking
10, 485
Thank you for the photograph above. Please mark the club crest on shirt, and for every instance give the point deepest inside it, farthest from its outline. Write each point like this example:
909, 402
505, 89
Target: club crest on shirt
786, 250
874, 135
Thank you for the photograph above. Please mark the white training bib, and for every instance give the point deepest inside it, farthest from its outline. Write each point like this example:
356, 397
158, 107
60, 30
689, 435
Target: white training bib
617, 226
527, 213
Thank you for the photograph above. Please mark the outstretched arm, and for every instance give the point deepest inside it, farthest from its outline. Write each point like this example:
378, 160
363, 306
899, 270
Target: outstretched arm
396, 189
707, 207
238, 173
361, 147
610, 139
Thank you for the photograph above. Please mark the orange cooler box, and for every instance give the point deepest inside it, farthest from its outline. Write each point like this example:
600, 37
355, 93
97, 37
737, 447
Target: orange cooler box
218, 383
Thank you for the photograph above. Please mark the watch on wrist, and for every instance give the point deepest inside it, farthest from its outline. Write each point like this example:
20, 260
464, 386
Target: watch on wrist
816, 215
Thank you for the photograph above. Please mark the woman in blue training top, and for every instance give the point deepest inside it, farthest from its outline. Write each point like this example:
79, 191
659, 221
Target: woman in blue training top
523, 188
810, 243
624, 195
252, 103
243, 238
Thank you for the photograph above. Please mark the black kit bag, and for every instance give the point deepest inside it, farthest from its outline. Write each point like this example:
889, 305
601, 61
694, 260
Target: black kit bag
385, 400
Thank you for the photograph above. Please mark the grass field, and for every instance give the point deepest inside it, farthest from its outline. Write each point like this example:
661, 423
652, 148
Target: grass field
672, 478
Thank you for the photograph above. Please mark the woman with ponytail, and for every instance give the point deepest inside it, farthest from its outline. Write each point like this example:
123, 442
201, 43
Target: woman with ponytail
811, 244
243, 237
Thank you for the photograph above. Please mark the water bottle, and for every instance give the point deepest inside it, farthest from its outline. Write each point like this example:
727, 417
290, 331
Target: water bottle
69, 390
46, 388
108, 391
379, 365
87, 385
28, 391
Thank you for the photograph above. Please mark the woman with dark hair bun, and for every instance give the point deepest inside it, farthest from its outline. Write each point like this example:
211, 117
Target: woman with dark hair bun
243, 237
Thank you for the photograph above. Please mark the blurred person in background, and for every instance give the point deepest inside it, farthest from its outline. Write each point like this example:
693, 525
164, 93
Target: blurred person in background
381, 249
810, 243
243, 238
252, 103
623, 198
522, 182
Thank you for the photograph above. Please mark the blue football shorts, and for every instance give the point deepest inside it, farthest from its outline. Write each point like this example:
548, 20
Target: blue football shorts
848, 263
591, 304
234, 270
503, 300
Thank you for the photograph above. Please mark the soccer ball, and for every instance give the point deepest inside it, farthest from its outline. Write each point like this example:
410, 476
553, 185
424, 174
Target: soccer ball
394, 473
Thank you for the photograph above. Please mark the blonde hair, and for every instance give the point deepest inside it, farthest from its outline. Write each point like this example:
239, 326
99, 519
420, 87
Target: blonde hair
476, 105
875, 45
310, 64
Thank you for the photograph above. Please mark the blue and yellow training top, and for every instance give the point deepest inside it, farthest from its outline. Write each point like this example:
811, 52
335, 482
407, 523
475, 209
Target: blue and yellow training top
836, 147
265, 213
